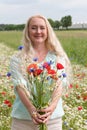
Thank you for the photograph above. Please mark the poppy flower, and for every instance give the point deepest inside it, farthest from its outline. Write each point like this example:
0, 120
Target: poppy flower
80, 108
32, 68
52, 72
59, 66
77, 86
3, 93
66, 95
46, 65
8, 103
37, 72
70, 86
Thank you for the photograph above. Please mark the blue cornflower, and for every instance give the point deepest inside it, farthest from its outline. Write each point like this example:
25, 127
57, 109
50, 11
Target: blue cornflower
65, 123
35, 59
48, 78
31, 70
9, 74
20, 47
50, 62
64, 75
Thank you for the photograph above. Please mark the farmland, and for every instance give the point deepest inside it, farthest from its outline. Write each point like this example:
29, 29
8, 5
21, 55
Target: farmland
74, 102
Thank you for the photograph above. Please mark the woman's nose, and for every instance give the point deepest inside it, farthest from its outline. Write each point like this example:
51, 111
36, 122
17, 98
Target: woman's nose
38, 30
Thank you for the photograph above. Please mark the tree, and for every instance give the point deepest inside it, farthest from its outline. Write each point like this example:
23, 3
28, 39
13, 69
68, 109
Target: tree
66, 21
11, 27
51, 22
57, 24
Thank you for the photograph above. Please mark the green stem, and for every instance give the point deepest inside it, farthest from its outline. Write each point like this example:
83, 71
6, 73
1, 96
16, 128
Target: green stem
43, 127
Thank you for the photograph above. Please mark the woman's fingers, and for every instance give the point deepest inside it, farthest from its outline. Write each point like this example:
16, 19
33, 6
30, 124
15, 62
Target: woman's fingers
36, 118
45, 115
41, 118
35, 122
46, 119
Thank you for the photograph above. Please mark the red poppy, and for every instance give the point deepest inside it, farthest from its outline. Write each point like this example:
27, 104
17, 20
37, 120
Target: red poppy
31, 66
77, 86
8, 103
84, 95
50, 71
66, 95
70, 86
80, 108
84, 98
3, 93
37, 72
46, 65
59, 66
78, 96
53, 74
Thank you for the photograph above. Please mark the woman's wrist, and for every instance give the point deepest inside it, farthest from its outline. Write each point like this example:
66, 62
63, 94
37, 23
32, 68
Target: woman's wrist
31, 109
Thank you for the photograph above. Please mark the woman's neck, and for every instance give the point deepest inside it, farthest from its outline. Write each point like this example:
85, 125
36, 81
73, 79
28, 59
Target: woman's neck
40, 52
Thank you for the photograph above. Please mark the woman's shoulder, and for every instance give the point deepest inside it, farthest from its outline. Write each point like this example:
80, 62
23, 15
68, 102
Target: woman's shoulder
15, 57
59, 59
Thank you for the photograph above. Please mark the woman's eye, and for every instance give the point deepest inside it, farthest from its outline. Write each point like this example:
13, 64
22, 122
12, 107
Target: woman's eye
42, 28
33, 27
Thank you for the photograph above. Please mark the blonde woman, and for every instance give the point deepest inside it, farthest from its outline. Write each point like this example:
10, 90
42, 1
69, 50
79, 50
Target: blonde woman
39, 41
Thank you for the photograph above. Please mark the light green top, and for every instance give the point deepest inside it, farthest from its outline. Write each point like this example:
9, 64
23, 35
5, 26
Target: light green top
19, 110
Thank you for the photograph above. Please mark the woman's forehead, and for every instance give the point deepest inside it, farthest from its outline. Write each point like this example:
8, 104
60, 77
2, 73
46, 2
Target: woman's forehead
37, 20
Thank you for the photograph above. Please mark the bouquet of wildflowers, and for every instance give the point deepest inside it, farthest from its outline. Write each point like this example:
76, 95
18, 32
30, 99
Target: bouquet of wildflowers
42, 80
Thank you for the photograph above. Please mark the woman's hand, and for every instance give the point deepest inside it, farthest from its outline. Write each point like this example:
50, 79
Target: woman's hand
55, 98
36, 117
47, 112
31, 109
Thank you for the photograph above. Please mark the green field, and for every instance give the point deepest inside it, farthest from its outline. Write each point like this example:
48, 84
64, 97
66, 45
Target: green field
74, 42
74, 102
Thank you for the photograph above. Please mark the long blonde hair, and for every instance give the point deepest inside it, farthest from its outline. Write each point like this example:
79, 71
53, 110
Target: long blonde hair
52, 43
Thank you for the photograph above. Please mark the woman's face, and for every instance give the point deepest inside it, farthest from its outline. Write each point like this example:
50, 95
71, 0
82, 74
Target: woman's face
37, 31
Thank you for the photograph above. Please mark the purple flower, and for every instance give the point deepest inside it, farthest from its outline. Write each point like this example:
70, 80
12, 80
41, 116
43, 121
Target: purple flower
65, 123
50, 62
31, 70
9, 74
64, 75
35, 59
48, 78
20, 47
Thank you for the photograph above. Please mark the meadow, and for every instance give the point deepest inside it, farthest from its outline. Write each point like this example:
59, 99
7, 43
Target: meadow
74, 101
74, 43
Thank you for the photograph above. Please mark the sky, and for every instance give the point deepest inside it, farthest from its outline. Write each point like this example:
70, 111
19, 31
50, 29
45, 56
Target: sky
18, 11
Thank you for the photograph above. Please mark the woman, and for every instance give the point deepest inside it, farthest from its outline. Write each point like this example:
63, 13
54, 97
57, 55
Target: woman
39, 41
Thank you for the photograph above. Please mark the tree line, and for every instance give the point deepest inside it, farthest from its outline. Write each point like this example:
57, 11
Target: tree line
65, 22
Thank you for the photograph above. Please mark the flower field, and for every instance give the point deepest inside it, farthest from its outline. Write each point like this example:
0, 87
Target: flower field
74, 102
6, 89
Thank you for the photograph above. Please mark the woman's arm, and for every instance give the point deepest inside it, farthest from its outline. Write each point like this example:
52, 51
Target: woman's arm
20, 86
55, 98
31, 109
